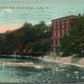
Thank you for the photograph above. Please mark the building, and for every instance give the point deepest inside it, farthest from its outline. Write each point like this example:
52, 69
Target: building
60, 27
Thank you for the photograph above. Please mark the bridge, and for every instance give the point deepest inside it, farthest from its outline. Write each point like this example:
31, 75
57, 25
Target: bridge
36, 54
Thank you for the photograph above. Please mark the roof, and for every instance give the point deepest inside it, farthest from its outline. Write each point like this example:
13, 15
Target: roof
71, 16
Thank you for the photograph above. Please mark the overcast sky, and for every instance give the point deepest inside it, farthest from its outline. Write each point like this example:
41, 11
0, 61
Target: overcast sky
14, 14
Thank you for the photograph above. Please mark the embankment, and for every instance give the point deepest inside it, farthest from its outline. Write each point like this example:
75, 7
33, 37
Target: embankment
65, 60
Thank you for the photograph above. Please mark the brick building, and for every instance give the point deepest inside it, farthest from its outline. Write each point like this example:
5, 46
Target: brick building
60, 27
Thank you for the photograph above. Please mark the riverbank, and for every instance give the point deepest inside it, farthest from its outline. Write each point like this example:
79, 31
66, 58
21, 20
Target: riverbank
65, 60
61, 60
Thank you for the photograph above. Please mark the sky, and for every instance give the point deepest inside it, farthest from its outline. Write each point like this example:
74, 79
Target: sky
14, 14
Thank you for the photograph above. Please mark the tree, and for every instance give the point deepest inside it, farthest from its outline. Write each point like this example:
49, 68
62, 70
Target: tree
74, 43
28, 38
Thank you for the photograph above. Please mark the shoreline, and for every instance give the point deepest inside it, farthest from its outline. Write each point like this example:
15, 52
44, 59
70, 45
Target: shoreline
65, 60
60, 60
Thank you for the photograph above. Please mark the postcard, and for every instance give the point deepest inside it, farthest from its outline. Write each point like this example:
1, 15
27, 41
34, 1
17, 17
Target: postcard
41, 41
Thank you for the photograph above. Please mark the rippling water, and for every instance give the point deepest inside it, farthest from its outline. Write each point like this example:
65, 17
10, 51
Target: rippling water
50, 72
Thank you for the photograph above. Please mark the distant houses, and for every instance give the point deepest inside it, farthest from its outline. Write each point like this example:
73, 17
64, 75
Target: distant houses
60, 27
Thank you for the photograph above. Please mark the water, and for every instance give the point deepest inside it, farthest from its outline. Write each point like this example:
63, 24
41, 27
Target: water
50, 72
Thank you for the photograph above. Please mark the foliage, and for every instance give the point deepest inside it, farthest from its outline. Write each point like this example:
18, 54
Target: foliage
28, 38
74, 43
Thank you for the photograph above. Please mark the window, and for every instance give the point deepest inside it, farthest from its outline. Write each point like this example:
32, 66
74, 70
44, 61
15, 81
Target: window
67, 32
54, 42
62, 32
54, 50
67, 23
54, 25
54, 32
58, 32
58, 42
62, 24
58, 25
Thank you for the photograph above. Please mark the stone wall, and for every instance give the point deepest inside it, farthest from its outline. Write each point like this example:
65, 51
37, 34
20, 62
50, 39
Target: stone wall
64, 59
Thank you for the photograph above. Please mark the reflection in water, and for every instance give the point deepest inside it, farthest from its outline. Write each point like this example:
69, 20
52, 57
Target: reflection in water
50, 72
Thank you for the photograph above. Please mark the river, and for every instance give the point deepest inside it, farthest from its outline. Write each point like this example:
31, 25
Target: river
49, 72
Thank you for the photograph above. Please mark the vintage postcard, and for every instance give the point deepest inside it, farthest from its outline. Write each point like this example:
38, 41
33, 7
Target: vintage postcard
41, 41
